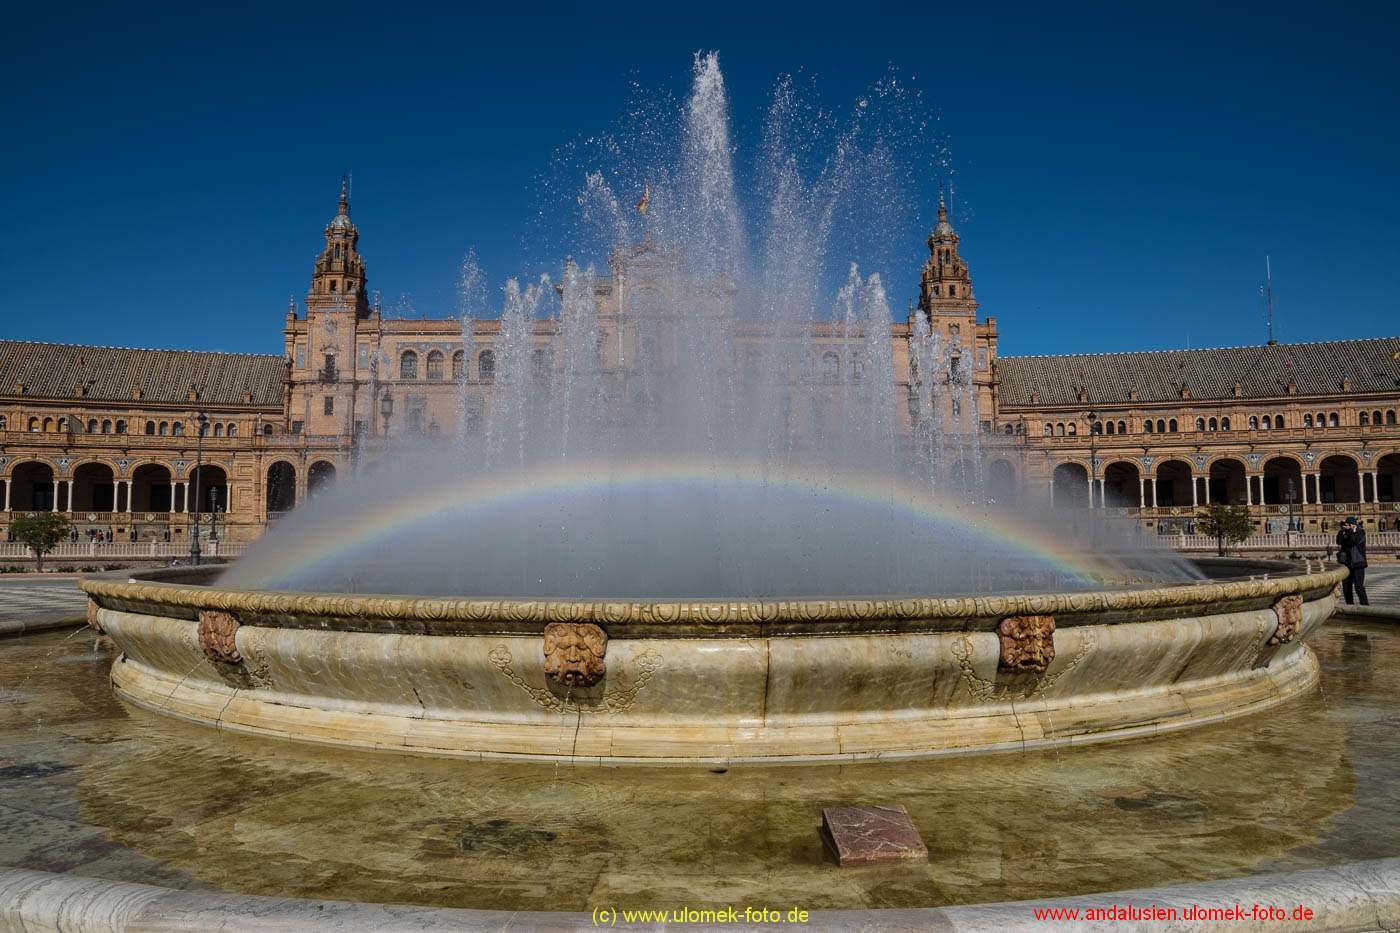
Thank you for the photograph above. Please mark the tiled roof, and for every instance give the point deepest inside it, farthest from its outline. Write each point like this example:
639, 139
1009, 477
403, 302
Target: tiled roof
57, 370
1372, 365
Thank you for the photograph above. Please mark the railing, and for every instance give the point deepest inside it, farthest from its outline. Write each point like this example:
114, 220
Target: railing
1279, 540
103, 550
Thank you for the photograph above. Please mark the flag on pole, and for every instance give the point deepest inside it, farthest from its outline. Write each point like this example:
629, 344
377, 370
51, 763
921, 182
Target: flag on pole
645, 203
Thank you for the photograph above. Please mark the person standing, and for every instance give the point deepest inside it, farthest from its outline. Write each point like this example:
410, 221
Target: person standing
1351, 553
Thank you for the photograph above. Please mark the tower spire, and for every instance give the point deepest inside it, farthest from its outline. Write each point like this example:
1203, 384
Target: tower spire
345, 195
338, 278
945, 285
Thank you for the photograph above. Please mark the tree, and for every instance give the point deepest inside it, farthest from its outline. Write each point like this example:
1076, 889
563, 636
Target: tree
1227, 523
41, 531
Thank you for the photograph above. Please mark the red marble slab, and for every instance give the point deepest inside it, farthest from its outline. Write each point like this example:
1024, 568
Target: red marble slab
870, 835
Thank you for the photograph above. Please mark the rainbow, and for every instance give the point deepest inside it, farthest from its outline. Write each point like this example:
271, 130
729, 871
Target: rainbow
327, 542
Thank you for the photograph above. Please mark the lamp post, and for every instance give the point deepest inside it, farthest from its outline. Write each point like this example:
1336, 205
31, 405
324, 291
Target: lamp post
214, 514
201, 422
386, 409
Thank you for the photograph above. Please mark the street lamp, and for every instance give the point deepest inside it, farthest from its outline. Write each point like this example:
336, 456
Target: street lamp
386, 408
214, 514
202, 422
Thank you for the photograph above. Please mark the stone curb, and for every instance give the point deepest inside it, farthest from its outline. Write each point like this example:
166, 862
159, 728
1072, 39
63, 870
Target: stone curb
27, 627
1361, 896
1370, 613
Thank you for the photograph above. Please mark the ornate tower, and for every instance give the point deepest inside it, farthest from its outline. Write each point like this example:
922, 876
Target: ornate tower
338, 279
945, 287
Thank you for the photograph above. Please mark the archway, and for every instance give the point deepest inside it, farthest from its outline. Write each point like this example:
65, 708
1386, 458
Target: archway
150, 488
1071, 485
33, 487
212, 484
320, 477
1388, 478
1227, 482
1283, 481
1173, 484
94, 488
1121, 486
962, 478
1340, 480
1001, 481
281, 487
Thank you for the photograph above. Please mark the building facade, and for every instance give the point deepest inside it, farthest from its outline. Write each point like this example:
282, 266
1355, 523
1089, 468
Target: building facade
140, 444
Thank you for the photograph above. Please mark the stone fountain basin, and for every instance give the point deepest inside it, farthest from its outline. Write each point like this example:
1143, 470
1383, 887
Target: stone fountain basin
730, 681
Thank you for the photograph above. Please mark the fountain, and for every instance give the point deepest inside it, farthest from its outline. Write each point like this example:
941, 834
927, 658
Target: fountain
681, 536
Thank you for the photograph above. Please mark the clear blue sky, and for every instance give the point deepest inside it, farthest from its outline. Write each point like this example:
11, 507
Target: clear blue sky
1122, 172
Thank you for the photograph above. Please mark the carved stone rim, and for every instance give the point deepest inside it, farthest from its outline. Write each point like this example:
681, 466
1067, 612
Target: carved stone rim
268, 608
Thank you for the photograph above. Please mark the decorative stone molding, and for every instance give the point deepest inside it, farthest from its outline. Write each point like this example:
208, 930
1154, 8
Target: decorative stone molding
275, 608
217, 631
573, 653
1027, 643
1289, 611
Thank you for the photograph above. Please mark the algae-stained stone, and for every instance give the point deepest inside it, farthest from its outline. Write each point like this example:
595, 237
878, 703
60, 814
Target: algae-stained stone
867, 835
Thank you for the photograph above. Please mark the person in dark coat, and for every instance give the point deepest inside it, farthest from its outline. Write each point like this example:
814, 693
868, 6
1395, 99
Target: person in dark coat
1351, 552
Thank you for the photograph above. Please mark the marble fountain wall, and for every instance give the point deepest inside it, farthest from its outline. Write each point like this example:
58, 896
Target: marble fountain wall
715, 681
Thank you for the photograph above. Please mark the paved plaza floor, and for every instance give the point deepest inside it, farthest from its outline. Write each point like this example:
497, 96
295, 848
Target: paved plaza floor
30, 598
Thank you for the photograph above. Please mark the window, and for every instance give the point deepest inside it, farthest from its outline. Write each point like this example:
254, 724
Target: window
1049, 429
267, 430
150, 427
48, 425
296, 427
4, 423
92, 426
1214, 425
541, 364
857, 368
232, 430
1147, 426
1390, 416
957, 409
1268, 423
1365, 419
1059, 429
1122, 427
301, 356
332, 284
1224, 424
1162, 426
457, 366
1112, 428
1200, 424
362, 356
831, 367
1072, 429
1171, 425
106, 426
1278, 423
1307, 421
1008, 430
1332, 420
34, 425
178, 429
164, 428
435, 365
1254, 422
1376, 417
408, 365
121, 427
1321, 419
328, 405
1096, 427
486, 365
62, 424
218, 430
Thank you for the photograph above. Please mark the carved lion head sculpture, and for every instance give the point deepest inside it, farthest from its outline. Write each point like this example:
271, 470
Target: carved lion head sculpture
573, 653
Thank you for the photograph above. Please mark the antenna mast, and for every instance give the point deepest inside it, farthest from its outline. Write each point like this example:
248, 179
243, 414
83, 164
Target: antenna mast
1269, 298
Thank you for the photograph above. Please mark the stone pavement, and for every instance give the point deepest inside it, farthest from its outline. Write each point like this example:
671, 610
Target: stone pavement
1383, 584
28, 601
